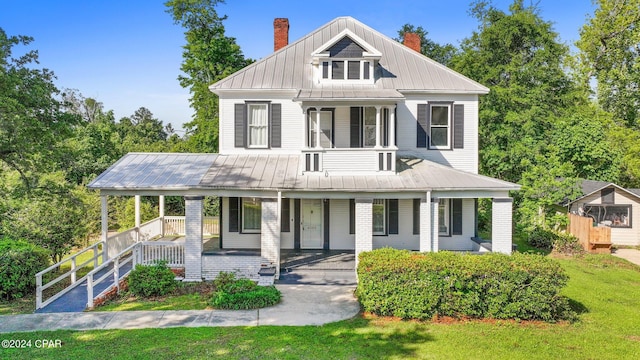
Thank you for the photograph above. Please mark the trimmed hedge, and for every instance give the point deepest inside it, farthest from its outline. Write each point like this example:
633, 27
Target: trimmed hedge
20, 261
152, 280
242, 294
413, 285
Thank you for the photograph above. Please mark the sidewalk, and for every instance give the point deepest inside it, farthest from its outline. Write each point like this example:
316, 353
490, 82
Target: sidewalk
301, 305
631, 255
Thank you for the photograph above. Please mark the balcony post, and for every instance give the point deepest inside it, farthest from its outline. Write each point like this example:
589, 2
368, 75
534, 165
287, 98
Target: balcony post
378, 127
137, 216
392, 126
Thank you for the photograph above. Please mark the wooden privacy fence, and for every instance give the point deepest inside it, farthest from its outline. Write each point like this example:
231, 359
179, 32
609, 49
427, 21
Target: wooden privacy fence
593, 239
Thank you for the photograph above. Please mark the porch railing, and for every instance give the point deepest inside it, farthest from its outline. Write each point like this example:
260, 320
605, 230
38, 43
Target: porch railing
98, 250
170, 251
175, 225
116, 263
349, 159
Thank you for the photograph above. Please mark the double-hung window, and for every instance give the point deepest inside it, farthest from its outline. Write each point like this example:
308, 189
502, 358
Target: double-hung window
443, 217
251, 215
258, 125
440, 126
379, 217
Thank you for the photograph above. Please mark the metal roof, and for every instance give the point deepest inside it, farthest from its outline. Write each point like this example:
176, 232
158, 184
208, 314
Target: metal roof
347, 94
400, 68
155, 171
279, 172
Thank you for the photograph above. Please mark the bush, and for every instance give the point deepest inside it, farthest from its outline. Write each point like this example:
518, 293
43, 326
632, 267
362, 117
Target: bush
420, 286
20, 261
242, 294
542, 238
152, 280
567, 244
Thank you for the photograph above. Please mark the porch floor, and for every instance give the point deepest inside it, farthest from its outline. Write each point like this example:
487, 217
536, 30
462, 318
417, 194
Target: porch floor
317, 267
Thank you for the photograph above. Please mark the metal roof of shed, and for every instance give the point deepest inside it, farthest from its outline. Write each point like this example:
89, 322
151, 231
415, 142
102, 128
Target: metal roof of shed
140, 171
400, 68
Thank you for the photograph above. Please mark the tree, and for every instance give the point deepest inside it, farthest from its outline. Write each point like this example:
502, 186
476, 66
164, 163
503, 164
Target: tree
208, 56
440, 53
610, 54
32, 119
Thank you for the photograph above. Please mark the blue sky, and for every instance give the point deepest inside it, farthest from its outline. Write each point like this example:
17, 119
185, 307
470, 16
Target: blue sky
127, 53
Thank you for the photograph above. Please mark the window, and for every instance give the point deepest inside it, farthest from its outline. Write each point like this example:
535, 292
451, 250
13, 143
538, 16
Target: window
440, 129
609, 215
443, 216
258, 120
379, 217
326, 128
251, 215
369, 128
346, 70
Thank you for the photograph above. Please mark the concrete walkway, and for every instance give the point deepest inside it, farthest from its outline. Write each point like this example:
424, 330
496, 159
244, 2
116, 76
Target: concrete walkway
300, 305
631, 255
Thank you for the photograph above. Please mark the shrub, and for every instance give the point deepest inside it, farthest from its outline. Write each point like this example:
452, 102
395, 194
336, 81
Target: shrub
152, 280
542, 238
420, 286
20, 261
242, 294
567, 244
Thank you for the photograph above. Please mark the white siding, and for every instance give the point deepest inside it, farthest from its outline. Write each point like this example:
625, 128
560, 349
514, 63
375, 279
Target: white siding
619, 236
461, 242
405, 238
293, 127
463, 159
234, 240
339, 237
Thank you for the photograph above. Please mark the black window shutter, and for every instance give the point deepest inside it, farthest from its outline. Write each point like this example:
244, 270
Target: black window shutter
458, 126
276, 125
456, 221
355, 127
327, 216
393, 216
285, 216
296, 223
352, 216
234, 214
607, 196
422, 139
416, 216
240, 125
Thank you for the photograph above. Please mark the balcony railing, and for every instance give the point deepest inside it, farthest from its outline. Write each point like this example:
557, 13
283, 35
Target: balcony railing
349, 160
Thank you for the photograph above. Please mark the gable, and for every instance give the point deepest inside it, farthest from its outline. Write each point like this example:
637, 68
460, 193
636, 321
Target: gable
346, 48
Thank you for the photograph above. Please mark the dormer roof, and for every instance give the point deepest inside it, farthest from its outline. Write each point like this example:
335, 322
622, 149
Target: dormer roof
399, 67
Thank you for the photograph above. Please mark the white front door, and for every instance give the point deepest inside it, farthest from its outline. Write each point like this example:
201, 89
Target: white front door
311, 224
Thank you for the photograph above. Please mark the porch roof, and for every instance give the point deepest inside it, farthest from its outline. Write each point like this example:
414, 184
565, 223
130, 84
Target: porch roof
353, 94
273, 172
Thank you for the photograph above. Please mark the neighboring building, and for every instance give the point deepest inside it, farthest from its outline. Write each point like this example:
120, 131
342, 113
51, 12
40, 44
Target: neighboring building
344, 139
610, 205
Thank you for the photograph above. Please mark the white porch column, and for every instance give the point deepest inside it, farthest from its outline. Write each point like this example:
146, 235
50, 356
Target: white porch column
104, 219
270, 233
161, 213
137, 216
425, 223
378, 127
193, 238
392, 126
501, 225
364, 226
435, 226
318, 128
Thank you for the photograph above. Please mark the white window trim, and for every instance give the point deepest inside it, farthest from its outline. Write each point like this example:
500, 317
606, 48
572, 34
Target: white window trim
447, 217
345, 78
249, 126
431, 126
384, 217
245, 230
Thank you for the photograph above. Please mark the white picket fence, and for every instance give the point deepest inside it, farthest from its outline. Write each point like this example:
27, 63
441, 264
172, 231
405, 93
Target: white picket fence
170, 251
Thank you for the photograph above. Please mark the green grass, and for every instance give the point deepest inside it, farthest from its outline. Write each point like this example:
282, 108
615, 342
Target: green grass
606, 291
189, 296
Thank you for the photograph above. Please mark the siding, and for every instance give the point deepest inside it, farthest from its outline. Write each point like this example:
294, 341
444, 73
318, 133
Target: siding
619, 236
340, 239
463, 159
461, 242
405, 238
234, 240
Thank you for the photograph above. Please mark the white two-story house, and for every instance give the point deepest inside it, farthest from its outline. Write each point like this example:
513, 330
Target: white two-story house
344, 139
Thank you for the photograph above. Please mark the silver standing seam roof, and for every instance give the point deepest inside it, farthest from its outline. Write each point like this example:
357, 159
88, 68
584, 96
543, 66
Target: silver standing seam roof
171, 171
400, 68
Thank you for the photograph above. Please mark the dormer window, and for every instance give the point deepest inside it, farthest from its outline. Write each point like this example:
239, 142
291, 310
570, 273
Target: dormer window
345, 58
356, 70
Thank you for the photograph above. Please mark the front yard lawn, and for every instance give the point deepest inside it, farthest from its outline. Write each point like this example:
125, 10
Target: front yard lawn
604, 289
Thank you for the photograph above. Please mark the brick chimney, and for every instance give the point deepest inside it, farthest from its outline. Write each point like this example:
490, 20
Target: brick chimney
280, 33
412, 41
